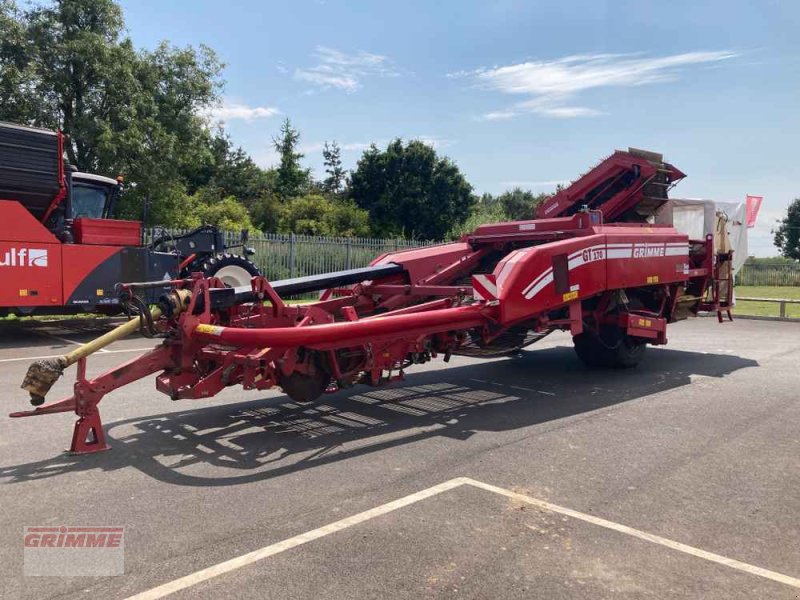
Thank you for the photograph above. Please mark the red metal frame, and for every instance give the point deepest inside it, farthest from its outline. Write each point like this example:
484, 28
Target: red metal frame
571, 273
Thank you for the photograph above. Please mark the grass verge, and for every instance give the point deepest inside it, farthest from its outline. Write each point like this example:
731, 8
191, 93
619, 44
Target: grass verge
767, 309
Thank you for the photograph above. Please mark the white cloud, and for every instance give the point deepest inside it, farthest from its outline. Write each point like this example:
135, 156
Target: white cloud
336, 69
230, 111
551, 86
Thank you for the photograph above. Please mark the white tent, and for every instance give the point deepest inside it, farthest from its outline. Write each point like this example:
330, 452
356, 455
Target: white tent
697, 217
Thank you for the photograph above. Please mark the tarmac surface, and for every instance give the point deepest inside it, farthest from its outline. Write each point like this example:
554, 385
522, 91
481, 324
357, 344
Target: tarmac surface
521, 477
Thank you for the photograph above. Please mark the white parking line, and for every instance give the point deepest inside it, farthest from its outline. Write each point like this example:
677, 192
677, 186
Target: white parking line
315, 534
19, 358
643, 535
293, 542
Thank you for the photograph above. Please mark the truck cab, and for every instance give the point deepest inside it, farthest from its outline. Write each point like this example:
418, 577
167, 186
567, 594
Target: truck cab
93, 196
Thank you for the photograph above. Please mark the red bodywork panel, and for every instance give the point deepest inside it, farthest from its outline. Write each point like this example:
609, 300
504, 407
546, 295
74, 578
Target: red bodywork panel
30, 259
19, 225
39, 270
540, 278
79, 262
107, 232
423, 262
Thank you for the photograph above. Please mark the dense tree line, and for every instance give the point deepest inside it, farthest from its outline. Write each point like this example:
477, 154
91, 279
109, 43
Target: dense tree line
145, 114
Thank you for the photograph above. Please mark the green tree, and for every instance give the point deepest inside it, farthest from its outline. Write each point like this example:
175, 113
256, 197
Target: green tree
234, 173
519, 204
410, 191
336, 179
787, 234
291, 179
487, 209
314, 214
228, 214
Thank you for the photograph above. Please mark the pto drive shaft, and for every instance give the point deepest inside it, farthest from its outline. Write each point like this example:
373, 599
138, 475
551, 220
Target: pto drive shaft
42, 374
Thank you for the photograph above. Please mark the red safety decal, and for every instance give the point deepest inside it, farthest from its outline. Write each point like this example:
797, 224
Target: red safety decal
484, 287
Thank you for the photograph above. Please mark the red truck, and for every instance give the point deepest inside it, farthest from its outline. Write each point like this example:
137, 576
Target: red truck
62, 251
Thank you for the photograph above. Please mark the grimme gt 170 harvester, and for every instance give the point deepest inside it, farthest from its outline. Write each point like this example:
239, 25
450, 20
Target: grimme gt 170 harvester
61, 250
591, 263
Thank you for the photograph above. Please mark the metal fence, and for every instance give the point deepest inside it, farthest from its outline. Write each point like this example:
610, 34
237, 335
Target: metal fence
772, 274
285, 255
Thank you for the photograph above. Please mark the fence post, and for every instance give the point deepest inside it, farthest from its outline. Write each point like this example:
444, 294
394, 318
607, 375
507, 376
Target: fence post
783, 309
291, 256
349, 253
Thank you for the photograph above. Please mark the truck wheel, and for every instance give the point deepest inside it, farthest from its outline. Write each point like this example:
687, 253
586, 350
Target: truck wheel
612, 349
232, 269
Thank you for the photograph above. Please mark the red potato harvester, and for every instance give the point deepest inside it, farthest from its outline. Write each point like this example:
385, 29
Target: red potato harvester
591, 263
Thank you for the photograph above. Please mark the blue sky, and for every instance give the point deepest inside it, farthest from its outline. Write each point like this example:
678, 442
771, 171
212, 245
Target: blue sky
517, 93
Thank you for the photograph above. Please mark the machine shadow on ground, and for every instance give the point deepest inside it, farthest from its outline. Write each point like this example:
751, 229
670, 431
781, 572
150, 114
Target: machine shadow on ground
261, 439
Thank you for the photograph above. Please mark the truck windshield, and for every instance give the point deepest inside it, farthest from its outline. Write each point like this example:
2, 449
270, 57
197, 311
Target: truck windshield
88, 201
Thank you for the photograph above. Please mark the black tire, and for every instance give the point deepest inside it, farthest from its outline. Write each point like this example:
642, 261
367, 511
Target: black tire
589, 350
233, 269
612, 349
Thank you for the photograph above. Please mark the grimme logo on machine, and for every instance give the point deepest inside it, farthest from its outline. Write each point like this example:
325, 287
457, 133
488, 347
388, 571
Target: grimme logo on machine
24, 257
74, 551
645, 251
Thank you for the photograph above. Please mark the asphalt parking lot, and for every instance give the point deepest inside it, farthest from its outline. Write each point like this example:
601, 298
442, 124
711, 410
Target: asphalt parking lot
520, 477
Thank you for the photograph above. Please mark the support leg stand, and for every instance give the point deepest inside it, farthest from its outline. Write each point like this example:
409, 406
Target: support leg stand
88, 436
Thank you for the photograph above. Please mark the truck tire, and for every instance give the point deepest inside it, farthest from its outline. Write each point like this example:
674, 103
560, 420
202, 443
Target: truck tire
234, 270
612, 349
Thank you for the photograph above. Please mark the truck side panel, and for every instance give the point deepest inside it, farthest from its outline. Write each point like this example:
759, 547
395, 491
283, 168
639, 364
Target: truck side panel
30, 273
91, 272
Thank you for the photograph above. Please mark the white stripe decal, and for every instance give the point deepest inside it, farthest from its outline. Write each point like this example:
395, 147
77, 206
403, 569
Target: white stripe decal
674, 251
615, 251
483, 288
538, 279
540, 286
620, 253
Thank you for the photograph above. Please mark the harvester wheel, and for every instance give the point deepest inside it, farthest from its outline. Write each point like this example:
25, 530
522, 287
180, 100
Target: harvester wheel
589, 350
234, 270
304, 388
613, 348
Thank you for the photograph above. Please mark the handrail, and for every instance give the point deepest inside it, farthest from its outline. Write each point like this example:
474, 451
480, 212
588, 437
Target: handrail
782, 301
787, 300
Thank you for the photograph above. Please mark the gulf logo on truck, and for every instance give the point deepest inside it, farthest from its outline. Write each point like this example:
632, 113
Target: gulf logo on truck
24, 257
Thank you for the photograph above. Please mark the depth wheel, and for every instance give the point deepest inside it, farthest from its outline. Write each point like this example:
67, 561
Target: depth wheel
232, 269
